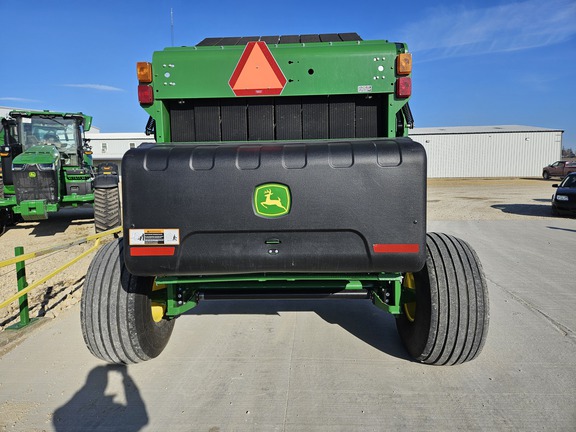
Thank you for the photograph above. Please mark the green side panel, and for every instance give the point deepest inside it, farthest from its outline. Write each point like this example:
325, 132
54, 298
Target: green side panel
88, 160
303, 69
80, 199
160, 113
71, 177
8, 200
309, 69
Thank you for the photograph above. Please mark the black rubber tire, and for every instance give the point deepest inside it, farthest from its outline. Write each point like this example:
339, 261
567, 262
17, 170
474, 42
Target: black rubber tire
4, 220
3, 211
107, 213
115, 311
6, 214
452, 310
545, 175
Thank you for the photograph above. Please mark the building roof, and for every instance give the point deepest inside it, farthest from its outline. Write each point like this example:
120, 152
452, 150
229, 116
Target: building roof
461, 130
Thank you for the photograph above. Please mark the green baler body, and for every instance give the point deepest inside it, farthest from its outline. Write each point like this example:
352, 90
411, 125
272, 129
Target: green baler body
282, 170
313, 89
345, 68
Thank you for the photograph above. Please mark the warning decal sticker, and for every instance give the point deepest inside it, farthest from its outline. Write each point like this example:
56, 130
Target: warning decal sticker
156, 236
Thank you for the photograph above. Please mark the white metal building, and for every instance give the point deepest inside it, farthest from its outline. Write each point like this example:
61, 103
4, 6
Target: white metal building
489, 151
472, 151
110, 147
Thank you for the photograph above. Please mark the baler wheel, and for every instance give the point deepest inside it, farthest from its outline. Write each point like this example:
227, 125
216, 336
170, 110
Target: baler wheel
107, 213
116, 311
449, 322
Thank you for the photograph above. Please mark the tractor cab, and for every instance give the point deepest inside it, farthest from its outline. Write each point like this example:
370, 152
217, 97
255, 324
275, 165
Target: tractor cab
64, 132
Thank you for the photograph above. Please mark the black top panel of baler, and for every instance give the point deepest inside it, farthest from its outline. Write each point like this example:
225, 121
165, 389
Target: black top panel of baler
284, 39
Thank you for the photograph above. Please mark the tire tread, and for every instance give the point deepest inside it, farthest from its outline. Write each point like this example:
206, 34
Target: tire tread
459, 310
115, 313
107, 214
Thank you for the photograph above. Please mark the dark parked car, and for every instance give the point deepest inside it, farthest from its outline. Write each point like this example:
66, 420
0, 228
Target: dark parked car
564, 199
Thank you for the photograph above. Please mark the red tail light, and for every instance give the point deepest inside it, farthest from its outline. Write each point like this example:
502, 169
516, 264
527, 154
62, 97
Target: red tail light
404, 87
145, 94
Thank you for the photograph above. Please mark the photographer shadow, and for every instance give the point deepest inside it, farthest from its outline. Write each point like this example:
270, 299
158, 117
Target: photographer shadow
92, 409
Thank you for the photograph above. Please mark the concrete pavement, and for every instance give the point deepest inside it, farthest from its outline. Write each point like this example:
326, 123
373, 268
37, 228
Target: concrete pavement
333, 365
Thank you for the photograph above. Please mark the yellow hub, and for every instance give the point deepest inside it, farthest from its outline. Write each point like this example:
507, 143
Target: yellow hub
158, 311
409, 308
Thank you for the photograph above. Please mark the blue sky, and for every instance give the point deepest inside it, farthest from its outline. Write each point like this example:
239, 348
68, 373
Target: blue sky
475, 62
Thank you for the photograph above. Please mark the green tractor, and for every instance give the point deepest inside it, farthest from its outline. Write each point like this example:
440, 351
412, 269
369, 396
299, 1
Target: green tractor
282, 169
47, 164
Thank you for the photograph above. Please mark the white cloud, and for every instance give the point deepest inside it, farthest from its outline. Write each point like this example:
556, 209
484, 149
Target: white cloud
460, 31
100, 87
18, 99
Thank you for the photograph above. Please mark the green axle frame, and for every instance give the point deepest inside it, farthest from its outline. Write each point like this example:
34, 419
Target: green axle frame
180, 294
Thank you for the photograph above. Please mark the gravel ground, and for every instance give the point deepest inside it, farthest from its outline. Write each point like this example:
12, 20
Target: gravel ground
64, 289
448, 199
489, 199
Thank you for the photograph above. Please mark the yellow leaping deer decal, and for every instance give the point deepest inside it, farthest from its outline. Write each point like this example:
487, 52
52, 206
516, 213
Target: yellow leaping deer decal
271, 202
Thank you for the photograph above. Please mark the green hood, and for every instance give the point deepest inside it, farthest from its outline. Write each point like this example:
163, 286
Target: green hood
41, 154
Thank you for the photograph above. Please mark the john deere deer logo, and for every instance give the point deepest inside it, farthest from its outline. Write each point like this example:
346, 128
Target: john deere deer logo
272, 200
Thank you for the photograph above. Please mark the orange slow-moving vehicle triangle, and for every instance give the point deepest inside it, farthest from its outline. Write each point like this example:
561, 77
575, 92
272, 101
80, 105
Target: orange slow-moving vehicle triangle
257, 73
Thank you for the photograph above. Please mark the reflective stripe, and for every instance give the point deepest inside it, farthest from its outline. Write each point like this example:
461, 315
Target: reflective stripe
152, 251
396, 248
